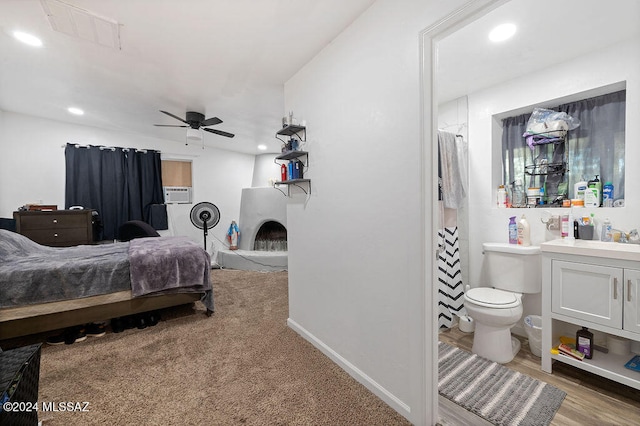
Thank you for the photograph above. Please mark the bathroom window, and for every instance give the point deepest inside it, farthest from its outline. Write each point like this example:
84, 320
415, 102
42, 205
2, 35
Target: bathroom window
596, 147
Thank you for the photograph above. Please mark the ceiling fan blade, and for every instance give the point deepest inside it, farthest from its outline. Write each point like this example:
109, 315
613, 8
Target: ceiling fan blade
211, 121
174, 116
169, 125
220, 132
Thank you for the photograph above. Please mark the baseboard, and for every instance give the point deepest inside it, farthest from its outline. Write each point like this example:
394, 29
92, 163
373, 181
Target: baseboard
378, 390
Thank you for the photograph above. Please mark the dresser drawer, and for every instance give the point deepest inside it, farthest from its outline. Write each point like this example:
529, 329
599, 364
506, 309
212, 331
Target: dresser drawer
53, 221
58, 237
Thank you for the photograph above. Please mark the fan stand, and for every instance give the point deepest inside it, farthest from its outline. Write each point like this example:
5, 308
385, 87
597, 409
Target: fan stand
205, 230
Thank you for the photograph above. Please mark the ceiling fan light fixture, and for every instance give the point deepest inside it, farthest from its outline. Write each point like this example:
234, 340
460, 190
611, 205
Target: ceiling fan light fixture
194, 134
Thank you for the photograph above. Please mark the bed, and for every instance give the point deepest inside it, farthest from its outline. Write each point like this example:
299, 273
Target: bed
45, 288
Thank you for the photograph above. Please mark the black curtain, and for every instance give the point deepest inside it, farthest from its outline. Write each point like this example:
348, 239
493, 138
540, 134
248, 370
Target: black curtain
120, 184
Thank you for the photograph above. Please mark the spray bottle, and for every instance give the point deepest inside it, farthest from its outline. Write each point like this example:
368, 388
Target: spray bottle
513, 230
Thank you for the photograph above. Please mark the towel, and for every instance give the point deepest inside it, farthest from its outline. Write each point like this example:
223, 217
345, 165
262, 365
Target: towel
452, 150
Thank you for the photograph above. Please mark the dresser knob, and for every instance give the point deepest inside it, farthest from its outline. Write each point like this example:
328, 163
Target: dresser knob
55, 235
55, 220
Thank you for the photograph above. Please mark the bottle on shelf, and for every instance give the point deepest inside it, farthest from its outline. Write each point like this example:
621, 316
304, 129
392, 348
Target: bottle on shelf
290, 170
578, 190
607, 194
502, 197
283, 172
518, 200
584, 342
596, 186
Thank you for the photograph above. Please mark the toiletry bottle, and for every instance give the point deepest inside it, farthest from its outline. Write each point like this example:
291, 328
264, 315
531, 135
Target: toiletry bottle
524, 234
605, 234
572, 228
290, 170
542, 195
584, 342
518, 194
607, 195
578, 190
564, 228
283, 172
596, 184
513, 230
502, 197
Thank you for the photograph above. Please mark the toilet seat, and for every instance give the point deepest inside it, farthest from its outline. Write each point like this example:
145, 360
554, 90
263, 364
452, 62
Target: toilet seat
492, 298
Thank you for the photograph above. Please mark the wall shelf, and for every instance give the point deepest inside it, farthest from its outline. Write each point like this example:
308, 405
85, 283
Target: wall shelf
293, 130
300, 183
301, 157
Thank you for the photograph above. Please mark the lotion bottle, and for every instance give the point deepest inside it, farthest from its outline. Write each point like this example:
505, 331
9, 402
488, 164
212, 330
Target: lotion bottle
524, 233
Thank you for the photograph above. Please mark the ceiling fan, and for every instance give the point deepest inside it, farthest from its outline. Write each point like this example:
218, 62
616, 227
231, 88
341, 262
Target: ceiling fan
195, 121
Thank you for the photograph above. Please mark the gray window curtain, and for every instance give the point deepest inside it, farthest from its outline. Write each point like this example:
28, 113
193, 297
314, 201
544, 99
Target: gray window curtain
594, 148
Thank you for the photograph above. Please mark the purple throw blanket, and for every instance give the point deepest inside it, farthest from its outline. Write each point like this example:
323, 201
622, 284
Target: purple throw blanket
169, 265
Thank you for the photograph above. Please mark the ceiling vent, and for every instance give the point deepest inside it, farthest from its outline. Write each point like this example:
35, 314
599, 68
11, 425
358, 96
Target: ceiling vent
82, 24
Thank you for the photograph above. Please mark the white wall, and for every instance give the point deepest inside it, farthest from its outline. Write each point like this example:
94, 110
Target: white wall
265, 170
601, 68
356, 258
32, 169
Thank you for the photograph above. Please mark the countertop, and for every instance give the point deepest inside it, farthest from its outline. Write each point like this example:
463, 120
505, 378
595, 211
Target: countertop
622, 251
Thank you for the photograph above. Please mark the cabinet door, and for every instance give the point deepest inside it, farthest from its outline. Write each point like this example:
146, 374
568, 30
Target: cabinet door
588, 292
631, 301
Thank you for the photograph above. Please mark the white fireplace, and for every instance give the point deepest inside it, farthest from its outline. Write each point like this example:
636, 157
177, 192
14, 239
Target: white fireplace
263, 232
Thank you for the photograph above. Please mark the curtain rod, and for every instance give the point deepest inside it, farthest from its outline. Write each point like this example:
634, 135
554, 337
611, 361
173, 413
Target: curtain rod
112, 148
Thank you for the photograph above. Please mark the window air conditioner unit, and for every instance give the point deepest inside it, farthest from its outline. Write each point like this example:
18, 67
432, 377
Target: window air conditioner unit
177, 194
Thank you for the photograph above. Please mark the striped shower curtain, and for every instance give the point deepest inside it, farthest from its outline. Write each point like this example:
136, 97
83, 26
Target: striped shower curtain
450, 288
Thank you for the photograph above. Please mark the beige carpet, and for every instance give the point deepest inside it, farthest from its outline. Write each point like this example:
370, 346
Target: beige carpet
241, 366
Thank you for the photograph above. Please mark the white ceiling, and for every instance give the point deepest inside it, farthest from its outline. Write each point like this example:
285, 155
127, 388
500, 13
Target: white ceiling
549, 32
230, 58
224, 58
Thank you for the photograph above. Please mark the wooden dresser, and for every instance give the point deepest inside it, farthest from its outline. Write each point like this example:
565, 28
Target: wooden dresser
60, 228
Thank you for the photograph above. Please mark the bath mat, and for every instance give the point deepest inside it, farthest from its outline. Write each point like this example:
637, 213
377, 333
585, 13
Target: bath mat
494, 392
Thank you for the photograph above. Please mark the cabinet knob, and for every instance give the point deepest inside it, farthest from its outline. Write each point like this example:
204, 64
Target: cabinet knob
55, 235
55, 220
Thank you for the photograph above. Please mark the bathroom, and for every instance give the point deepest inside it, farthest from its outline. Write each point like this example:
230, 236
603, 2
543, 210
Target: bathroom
476, 116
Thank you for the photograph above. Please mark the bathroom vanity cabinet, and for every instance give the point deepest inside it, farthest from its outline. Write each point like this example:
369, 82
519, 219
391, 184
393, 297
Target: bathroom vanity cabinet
591, 284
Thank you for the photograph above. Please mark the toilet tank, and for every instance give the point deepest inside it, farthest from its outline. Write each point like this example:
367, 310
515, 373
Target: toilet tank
513, 267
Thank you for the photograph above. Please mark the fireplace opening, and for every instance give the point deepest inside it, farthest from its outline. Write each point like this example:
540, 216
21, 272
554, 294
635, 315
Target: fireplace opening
271, 236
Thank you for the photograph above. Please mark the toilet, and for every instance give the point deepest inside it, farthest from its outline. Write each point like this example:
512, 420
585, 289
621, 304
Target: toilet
511, 271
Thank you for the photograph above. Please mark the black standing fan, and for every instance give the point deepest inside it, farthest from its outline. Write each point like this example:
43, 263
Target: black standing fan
205, 216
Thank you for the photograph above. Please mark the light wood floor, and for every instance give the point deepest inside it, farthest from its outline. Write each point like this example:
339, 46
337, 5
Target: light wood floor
590, 400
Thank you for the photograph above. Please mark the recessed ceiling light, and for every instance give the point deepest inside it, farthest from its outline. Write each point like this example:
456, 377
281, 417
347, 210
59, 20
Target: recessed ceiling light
75, 111
262, 147
502, 32
26, 38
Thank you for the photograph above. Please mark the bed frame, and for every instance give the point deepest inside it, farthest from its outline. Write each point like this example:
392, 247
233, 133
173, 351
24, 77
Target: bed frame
24, 320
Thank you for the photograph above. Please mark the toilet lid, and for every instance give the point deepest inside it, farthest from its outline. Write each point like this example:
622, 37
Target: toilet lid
486, 296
